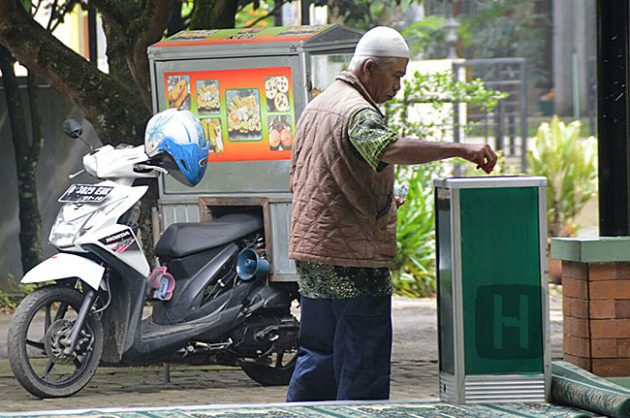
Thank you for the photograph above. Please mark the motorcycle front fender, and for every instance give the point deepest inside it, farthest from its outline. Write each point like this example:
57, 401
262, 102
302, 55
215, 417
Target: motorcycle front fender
64, 266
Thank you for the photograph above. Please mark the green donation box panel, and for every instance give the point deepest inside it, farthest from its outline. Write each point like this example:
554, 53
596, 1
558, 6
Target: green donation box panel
492, 289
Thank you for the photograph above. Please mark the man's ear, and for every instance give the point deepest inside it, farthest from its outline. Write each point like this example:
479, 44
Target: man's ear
368, 67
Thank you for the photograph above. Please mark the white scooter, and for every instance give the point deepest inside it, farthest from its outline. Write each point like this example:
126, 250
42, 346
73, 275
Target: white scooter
212, 301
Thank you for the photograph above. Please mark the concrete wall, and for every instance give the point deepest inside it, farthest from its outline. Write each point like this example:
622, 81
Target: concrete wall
60, 156
574, 29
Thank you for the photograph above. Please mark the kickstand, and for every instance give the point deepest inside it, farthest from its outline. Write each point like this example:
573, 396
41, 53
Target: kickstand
166, 372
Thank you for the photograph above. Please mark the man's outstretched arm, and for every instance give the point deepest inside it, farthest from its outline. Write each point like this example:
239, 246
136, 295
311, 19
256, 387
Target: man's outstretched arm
415, 151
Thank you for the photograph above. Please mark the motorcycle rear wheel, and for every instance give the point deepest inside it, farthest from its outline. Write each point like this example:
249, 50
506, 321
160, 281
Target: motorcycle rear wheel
273, 370
40, 325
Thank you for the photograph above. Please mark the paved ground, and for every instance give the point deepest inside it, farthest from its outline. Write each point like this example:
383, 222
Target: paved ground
414, 372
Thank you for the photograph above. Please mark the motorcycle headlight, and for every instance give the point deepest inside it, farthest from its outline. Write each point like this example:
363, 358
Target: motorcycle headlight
69, 226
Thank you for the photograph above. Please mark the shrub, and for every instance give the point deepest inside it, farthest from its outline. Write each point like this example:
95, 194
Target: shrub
13, 294
414, 274
570, 165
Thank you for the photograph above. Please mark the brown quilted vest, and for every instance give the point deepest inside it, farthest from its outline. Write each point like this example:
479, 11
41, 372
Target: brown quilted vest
343, 211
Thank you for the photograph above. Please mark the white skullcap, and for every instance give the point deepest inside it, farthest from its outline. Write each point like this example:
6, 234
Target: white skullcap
382, 41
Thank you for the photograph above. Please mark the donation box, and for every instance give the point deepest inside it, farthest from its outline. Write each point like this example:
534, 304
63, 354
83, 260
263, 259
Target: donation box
493, 326
248, 87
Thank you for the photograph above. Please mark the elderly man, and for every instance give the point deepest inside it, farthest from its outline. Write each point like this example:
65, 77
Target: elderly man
343, 224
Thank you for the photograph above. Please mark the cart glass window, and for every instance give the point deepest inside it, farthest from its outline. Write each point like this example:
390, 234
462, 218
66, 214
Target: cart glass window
325, 67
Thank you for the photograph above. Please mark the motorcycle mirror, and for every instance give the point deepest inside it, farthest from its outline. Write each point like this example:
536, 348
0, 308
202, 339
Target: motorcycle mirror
73, 129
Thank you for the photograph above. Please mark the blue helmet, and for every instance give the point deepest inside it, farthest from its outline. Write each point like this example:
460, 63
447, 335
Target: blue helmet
177, 136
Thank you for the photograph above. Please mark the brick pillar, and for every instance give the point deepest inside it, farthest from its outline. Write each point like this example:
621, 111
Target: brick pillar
596, 309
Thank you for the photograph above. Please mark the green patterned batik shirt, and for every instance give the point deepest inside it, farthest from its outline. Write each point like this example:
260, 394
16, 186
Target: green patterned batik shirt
323, 281
370, 136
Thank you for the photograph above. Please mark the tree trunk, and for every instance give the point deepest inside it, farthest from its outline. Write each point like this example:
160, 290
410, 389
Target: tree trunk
219, 14
176, 22
26, 158
117, 114
118, 104
117, 58
136, 25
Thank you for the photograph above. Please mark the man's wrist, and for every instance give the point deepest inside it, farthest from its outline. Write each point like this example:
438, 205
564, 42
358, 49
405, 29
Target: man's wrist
459, 149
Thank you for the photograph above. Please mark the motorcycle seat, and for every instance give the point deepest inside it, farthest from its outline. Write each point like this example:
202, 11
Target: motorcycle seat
182, 239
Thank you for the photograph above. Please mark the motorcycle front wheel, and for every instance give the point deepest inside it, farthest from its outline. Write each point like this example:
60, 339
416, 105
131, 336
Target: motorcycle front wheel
38, 335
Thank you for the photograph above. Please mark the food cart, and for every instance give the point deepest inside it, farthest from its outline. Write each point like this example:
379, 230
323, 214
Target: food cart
248, 87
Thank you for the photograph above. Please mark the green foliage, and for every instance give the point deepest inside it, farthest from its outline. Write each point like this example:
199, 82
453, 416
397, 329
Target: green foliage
258, 14
439, 88
13, 294
507, 28
439, 91
570, 165
365, 14
414, 274
426, 37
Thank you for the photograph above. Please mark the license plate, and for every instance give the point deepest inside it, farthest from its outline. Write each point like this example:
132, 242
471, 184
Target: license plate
85, 193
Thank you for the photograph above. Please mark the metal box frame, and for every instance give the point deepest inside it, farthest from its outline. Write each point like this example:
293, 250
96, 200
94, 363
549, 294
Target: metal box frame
243, 183
465, 375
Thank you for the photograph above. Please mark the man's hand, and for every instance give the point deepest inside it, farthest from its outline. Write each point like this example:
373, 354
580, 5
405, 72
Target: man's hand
480, 154
400, 191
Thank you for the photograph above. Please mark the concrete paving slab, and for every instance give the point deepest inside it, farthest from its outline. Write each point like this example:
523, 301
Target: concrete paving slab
414, 372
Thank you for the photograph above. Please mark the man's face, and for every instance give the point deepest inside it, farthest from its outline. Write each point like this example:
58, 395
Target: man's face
383, 80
